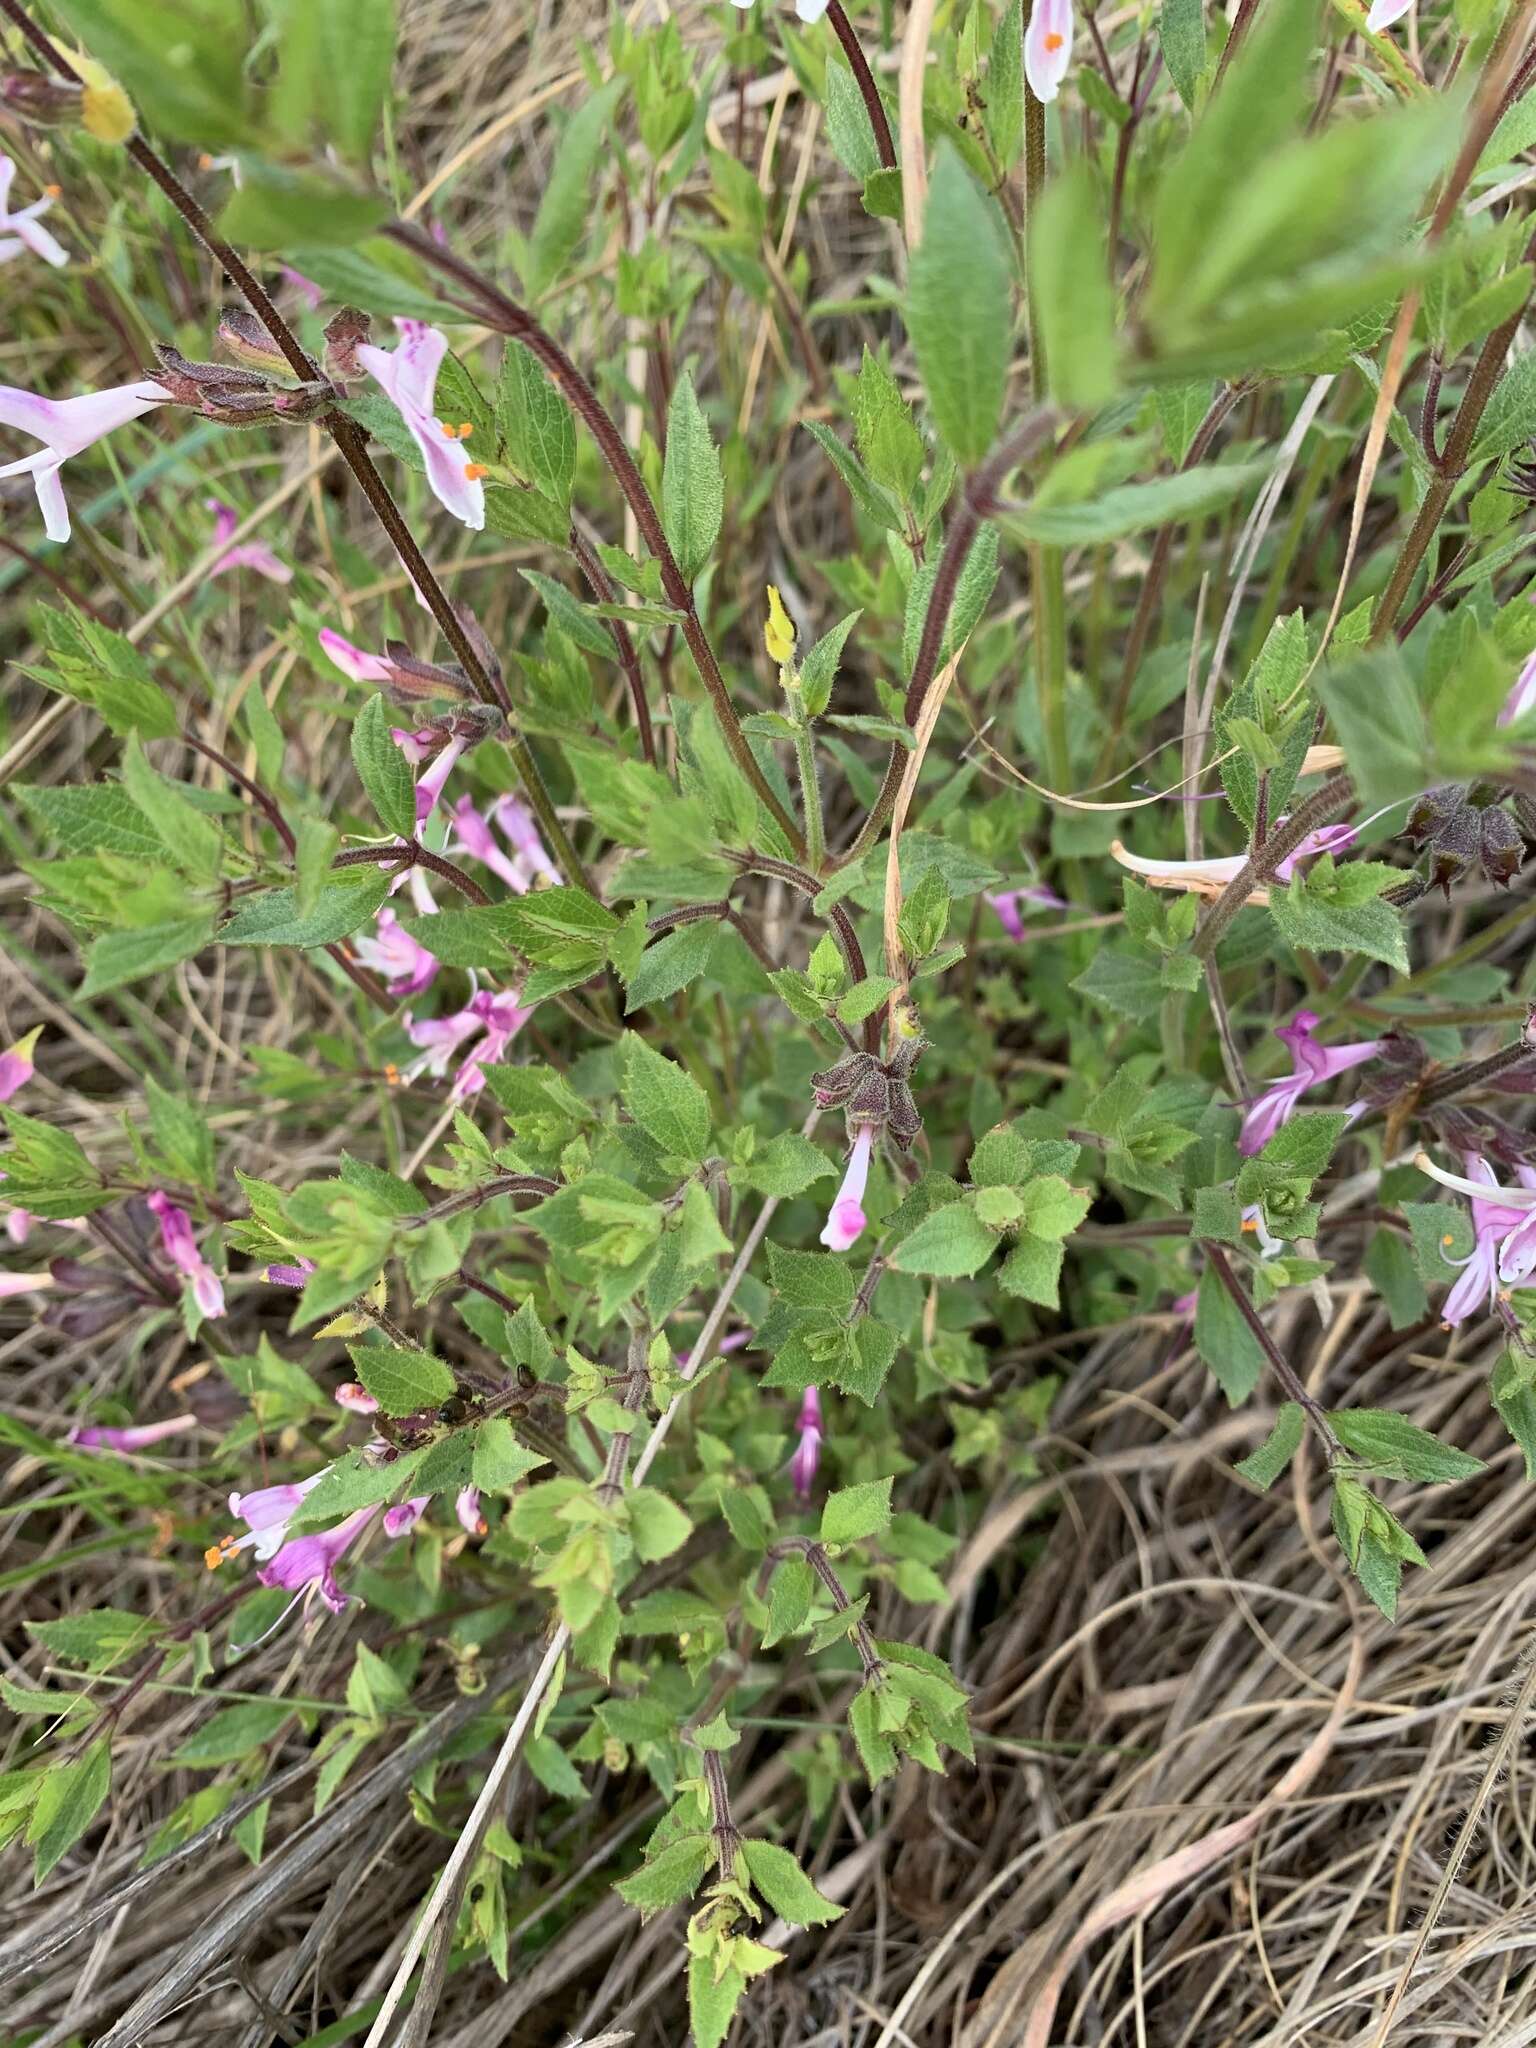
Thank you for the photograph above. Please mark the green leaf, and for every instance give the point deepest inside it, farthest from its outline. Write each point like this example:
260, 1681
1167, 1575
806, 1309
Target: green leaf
1032, 1271
1181, 32
68, 1800
97, 666
277, 205
959, 309
536, 424
857, 1512
1514, 1396
1264, 1466
93, 819
789, 1601
664, 1101
951, 1243
1395, 1448
787, 1165
383, 769
781, 1881
378, 277
181, 61
692, 482
357, 51
193, 841
1224, 1340
848, 125
712, 2000
119, 957
565, 209
669, 965
657, 1525
1390, 1268
1312, 914
1053, 1208
1071, 292
402, 1381
273, 919
181, 1131
500, 1461
1133, 508
232, 1733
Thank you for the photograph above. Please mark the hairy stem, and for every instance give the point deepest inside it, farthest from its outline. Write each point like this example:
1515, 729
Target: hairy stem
1323, 804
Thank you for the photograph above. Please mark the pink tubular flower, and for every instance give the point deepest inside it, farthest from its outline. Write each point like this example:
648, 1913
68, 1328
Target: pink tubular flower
65, 426
24, 1283
304, 286
355, 662
1210, 877
254, 555
311, 1560
16, 1067
428, 744
282, 1274
1506, 1211
1522, 697
846, 1219
1048, 47
472, 835
1478, 1288
20, 231
517, 821
802, 1466
137, 1437
350, 1395
400, 1520
266, 1513
1517, 1255
403, 962
181, 1249
439, 1039
467, 1507
408, 376
503, 1017
1006, 903
1312, 1065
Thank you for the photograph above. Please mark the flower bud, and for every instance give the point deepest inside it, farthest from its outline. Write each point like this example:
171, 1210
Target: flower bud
344, 333
1503, 848
41, 101
243, 335
106, 111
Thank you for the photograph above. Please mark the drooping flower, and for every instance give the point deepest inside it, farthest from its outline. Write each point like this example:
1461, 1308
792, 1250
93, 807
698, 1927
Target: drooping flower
1522, 697
254, 555
404, 963
521, 828
137, 1436
16, 1066
467, 1507
24, 1283
1006, 903
503, 1017
428, 744
472, 835
1210, 877
802, 1466
358, 1399
1492, 1222
439, 1039
1508, 1211
408, 376
65, 426
1048, 47
1384, 12
181, 1249
21, 231
284, 1274
311, 1560
846, 1219
1517, 1254
355, 662
266, 1513
404, 1516
1312, 1065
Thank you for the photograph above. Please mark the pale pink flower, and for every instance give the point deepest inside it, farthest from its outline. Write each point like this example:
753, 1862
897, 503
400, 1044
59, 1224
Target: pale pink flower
408, 376
254, 555
304, 286
266, 1513
1522, 697
472, 835
358, 1399
355, 662
401, 1519
1048, 47
24, 1283
467, 1507
439, 1039
428, 744
16, 1066
283, 1274
136, 1437
807, 1456
1517, 1254
21, 231
517, 821
311, 1560
503, 1016
1209, 877
1384, 12
1006, 903
846, 1219
1478, 1288
403, 962
1312, 1065
181, 1249
65, 426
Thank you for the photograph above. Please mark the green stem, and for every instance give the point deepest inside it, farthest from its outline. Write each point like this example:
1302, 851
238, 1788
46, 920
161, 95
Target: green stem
1047, 579
810, 794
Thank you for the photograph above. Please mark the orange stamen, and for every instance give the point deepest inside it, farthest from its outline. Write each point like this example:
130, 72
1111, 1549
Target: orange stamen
466, 428
215, 1555
391, 1074
1448, 1238
475, 470
1053, 42
54, 191
1249, 1223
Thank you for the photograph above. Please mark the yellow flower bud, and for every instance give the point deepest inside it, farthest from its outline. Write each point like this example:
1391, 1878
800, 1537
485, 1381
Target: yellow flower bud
779, 633
105, 109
